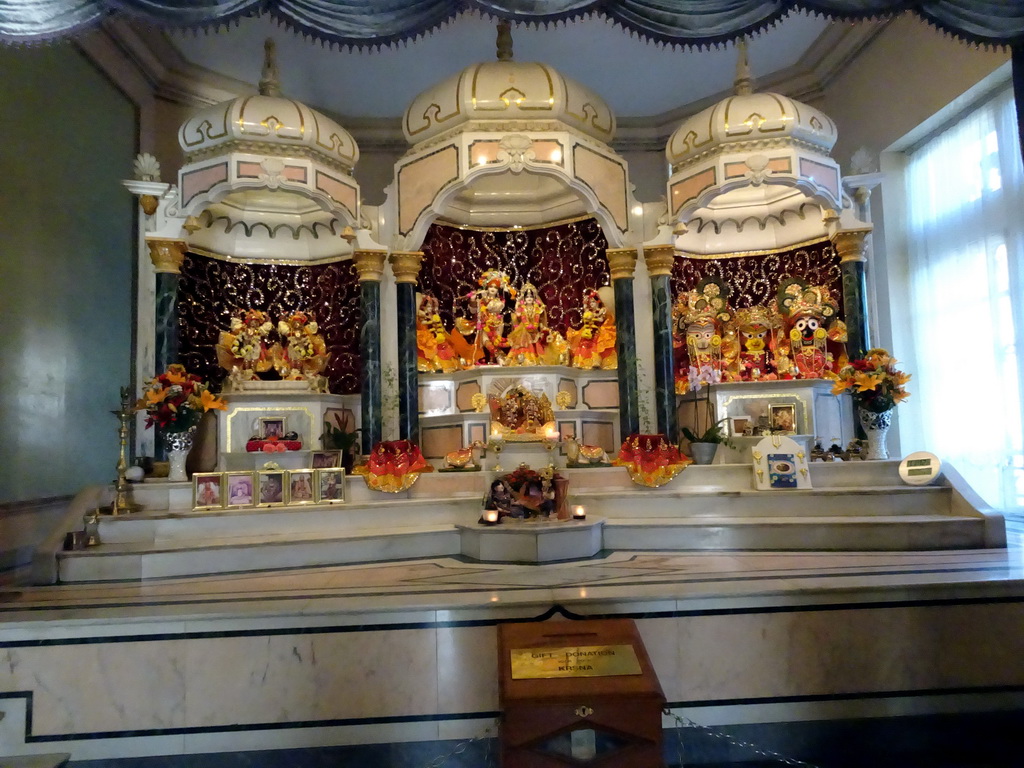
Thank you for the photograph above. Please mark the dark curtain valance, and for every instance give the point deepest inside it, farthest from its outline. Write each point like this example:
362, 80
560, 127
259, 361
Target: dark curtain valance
381, 22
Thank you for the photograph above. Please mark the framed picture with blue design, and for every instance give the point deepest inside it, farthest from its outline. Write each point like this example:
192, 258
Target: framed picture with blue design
780, 464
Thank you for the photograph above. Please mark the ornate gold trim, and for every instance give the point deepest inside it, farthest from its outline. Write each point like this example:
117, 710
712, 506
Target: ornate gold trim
659, 259
167, 254
199, 251
369, 264
524, 228
621, 262
850, 244
405, 265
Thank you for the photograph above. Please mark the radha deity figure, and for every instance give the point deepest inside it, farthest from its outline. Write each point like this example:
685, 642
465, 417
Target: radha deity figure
700, 317
529, 329
814, 342
593, 344
490, 345
753, 359
434, 346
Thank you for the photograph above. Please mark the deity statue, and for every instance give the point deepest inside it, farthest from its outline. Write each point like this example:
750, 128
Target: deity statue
435, 349
302, 353
753, 359
813, 343
699, 320
523, 412
489, 345
593, 344
529, 329
243, 349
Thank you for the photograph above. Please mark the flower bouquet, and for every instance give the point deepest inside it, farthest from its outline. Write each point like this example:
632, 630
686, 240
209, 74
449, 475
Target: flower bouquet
876, 388
176, 399
873, 382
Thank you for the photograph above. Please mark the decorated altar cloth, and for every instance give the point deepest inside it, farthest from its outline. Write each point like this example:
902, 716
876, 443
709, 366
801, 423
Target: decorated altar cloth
651, 460
393, 466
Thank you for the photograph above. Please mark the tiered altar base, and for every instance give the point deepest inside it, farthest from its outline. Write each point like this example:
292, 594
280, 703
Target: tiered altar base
853, 506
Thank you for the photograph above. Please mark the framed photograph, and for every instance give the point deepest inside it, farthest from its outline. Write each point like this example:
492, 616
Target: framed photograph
300, 486
325, 459
739, 426
330, 485
207, 490
271, 487
782, 419
271, 427
240, 489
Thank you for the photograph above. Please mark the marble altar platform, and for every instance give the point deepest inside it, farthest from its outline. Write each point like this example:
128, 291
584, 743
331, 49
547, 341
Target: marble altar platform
404, 652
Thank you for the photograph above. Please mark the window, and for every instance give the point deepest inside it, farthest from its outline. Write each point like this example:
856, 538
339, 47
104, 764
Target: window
965, 208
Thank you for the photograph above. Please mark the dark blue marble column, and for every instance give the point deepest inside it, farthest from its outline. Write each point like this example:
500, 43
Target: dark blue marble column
370, 266
406, 267
622, 262
850, 245
167, 257
659, 261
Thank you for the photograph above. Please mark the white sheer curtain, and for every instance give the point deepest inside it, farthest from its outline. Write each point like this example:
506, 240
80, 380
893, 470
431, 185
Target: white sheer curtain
965, 193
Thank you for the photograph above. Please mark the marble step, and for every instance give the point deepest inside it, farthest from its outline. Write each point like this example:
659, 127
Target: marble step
205, 526
700, 502
822, 533
163, 559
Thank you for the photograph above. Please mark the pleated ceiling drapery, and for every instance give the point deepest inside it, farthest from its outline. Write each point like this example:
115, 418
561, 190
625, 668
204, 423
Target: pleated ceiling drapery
380, 22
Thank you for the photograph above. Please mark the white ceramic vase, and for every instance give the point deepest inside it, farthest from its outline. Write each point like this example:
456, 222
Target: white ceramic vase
178, 445
876, 428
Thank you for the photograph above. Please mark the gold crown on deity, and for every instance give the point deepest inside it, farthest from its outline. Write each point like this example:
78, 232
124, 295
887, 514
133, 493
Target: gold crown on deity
529, 289
755, 317
707, 303
494, 277
795, 298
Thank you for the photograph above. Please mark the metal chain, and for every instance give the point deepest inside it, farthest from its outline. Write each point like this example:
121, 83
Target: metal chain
685, 722
462, 746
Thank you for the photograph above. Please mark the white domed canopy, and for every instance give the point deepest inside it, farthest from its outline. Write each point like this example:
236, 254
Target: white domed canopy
506, 144
507, 90
269, 174
752, 172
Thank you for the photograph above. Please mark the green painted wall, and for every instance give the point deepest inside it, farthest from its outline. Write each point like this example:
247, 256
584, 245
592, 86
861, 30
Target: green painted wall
66, 265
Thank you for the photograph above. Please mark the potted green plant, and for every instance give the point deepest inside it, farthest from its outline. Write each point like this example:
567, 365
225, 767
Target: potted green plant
704, 446
341, 437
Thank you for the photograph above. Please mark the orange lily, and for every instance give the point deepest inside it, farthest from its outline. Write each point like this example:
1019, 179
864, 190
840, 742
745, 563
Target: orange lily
154, 396
176, 374
211, 401
866, 382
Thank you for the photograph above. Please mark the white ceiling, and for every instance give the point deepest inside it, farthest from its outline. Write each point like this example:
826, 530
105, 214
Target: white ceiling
637, 79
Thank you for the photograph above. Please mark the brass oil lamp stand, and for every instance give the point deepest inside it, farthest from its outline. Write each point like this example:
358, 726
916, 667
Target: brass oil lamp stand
122, 503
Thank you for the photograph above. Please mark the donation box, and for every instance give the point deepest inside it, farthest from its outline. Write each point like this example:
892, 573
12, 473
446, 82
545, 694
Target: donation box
578, 693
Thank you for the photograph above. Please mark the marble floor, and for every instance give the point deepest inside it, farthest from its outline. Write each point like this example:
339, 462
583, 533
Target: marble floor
451, 583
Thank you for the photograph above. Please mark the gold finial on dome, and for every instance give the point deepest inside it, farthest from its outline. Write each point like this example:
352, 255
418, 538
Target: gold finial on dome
270, 80
743, 86
504, 41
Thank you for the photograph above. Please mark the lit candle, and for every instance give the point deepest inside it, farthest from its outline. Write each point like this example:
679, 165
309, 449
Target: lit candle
579, 512
491, 516
551, 434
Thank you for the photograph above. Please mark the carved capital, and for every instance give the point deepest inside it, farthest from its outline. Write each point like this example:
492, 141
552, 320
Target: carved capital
659, 259
621, 262
167, 255
850, 244
369, 264
406, 265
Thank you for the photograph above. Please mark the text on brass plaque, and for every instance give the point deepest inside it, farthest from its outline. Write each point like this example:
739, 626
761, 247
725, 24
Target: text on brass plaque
574, 661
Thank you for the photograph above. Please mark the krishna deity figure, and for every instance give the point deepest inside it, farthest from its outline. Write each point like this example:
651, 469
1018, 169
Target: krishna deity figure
810, 322
488, 302
592, 345
699, 321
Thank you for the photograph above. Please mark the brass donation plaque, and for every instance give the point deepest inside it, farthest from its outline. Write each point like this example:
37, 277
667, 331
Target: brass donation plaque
574, 661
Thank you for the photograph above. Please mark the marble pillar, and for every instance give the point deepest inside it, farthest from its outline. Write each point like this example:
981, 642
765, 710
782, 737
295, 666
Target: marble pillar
167, 256
850, 244
406, 267
369, 268
659, 261
621, 263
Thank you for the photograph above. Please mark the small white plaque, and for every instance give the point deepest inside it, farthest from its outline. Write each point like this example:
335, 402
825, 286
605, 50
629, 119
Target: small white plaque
780, 463
920, 468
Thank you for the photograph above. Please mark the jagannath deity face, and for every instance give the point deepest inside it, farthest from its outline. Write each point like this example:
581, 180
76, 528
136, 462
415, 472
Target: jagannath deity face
702, 336
808, 330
